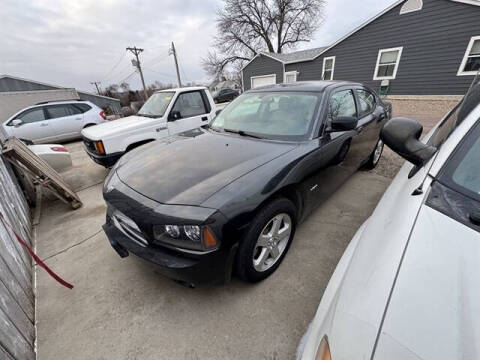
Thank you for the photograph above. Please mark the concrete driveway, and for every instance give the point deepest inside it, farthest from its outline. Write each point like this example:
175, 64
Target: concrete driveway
121, 309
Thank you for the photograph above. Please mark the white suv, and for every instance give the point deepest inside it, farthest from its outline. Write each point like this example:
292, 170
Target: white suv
53, 121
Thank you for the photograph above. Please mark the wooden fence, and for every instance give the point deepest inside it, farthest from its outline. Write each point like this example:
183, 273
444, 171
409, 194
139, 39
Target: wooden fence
17, 314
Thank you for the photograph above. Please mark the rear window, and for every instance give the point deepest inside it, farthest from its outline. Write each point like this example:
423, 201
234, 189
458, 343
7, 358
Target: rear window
82, 107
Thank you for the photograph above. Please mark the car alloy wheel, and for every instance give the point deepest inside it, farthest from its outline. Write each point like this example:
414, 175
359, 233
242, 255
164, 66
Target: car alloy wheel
378, 152
272, 242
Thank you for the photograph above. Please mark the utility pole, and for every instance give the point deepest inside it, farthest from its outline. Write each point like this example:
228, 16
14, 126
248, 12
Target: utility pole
174, 53
135, 51
96, 83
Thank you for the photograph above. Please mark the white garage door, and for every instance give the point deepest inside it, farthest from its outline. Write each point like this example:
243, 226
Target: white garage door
258, 81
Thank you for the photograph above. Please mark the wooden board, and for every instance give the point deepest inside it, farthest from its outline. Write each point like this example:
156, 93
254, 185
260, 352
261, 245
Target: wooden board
18, 154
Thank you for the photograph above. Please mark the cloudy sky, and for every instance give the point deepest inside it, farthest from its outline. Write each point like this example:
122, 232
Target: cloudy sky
71, 43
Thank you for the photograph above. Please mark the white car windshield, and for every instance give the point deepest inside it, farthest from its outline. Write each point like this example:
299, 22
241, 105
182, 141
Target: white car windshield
270, 115
156, 105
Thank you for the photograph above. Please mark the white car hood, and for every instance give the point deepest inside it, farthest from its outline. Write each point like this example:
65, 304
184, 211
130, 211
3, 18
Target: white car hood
435, 305
99, 132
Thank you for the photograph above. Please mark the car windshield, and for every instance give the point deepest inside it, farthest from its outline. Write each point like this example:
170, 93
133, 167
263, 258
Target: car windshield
270, 115
156, 105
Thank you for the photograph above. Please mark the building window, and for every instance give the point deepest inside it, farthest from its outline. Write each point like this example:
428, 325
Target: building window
328, 68
471, 61
411, 6
387, 64
290, 77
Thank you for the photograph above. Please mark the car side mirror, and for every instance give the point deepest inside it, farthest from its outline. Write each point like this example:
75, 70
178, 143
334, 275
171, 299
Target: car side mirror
402, 135
343, 123
17, 122
174, 115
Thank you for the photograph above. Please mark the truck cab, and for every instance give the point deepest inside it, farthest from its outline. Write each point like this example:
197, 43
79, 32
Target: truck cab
166, 113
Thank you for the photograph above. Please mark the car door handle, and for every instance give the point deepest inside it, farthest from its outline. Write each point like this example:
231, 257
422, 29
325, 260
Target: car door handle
204, 118
78, 118
44, 124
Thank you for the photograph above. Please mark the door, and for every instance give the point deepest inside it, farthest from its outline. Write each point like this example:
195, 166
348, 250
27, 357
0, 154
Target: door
336, 157
190, 111
369, 123
257, 81
34, 126
66, 120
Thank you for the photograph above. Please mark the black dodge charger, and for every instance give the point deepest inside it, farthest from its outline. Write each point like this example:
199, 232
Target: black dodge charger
227, 197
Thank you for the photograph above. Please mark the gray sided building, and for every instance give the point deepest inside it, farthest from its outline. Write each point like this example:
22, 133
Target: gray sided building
414, 48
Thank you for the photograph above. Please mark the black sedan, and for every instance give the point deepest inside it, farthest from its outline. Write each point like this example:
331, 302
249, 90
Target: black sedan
225, 95
229, 196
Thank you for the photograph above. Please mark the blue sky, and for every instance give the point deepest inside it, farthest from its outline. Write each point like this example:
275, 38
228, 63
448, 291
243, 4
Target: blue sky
73, 43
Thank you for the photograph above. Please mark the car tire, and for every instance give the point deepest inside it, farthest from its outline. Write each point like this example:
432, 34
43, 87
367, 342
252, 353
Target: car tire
27, 142
375, 156
256, 262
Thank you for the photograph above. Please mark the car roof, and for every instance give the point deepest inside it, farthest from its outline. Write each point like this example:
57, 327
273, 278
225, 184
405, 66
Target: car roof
188, 88
56, 102
307, 86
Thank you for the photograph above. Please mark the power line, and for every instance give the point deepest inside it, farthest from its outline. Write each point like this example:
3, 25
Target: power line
159, 72
128, 77
114, 66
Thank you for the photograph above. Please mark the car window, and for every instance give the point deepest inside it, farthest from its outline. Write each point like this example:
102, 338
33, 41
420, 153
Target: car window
190, 104
156, 105
57, 111
342, 103
271, 115
32, 115
74, 110
83, 107
366, 101
462, 170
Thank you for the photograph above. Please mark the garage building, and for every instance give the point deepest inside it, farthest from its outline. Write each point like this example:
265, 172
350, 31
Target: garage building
16, 85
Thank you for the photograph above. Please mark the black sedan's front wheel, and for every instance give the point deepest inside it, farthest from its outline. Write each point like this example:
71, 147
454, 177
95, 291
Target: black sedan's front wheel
267, 241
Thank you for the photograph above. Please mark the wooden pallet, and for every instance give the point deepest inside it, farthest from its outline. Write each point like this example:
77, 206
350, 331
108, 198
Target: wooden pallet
20, 156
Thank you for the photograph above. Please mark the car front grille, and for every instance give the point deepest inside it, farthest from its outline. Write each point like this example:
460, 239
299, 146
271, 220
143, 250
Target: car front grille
128, 227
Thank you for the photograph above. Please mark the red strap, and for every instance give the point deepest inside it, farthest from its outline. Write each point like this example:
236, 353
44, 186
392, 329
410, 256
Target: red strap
35, 257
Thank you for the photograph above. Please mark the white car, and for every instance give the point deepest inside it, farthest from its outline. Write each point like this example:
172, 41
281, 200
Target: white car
165, 113
408, 284
57, 156
53, 121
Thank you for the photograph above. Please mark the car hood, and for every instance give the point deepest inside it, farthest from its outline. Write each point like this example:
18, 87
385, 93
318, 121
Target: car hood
99, 132
435, 305
189, 168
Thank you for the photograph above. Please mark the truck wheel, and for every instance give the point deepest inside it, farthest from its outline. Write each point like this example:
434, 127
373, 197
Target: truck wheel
267, 240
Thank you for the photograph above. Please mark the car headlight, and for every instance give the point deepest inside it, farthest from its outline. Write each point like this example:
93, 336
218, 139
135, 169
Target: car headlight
323, 351
192, 237
99, 147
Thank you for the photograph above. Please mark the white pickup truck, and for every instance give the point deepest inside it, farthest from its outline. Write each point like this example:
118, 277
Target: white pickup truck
165, 113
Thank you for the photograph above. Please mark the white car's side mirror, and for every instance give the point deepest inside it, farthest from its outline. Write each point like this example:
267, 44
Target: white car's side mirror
17, 122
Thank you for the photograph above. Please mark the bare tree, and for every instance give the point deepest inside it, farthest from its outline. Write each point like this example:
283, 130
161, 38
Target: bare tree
247, 27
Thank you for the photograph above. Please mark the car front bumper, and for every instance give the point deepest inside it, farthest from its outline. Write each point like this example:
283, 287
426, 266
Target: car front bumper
107, 160
193, 267
206, 269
